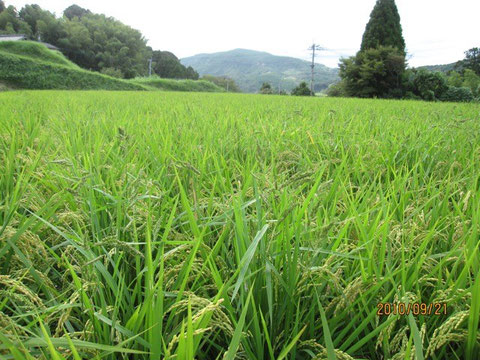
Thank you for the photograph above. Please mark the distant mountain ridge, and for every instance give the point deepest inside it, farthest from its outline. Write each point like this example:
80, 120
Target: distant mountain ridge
250, 68
440, 68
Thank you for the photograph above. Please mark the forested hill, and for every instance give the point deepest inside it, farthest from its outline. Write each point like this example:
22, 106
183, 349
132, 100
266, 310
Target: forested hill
251, 68
440, 68
93, 41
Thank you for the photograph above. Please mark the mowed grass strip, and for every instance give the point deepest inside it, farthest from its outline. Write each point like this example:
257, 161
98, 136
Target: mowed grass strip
183, 225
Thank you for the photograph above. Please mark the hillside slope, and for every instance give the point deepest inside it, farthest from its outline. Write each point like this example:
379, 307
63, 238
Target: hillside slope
36, 51
30, 65
440, 68
251, 68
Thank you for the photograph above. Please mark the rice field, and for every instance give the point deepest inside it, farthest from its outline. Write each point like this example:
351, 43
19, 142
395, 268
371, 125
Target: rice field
221, 226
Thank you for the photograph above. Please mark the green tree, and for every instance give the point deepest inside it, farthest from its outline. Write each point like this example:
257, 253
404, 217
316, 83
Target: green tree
337, 89
167, 65
471, 80
384, 28
458, 94
50, 30
43, 23
75, 11
92, 41
96, 41
378, 68
77, 45
429, 85
455, 79
472, 60
266, 89
301, 90
373, 73
191, 73
11, 23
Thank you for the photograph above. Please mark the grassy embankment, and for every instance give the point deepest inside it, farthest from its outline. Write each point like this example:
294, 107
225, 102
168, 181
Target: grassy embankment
160, 225
30, 65
156, 83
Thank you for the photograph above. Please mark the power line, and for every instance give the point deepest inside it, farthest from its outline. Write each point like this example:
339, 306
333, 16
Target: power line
314, 48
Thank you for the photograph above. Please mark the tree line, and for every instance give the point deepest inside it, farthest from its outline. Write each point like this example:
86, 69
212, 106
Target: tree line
93, 41
379, 69
301, 89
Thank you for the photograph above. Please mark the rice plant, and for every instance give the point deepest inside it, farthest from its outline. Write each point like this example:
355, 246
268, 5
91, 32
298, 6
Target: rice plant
226, 226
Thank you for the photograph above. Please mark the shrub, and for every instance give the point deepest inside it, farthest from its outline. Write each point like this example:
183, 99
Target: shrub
411, 96
458, 94
471, 80
266, 89
428, 85
337, 90
110, 71
302, 90
455, 79
396, 93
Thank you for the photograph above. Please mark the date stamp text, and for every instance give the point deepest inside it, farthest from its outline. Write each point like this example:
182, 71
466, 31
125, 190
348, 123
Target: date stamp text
385, 309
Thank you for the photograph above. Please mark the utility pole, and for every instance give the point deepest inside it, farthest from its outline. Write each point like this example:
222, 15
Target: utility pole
312, 49
150, 67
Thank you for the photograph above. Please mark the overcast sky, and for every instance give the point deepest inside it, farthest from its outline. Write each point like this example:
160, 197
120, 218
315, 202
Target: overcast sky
435, 31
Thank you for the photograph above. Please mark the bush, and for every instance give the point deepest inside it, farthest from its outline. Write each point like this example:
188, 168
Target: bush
429, 85
337, 90
434, 86
458, 94
302, 90
3, 87
110, 71
396, 93
266, 89
411, 96
455, 79
472, 81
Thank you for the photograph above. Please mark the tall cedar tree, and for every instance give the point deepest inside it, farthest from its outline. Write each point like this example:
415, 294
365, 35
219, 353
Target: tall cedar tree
384, 28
